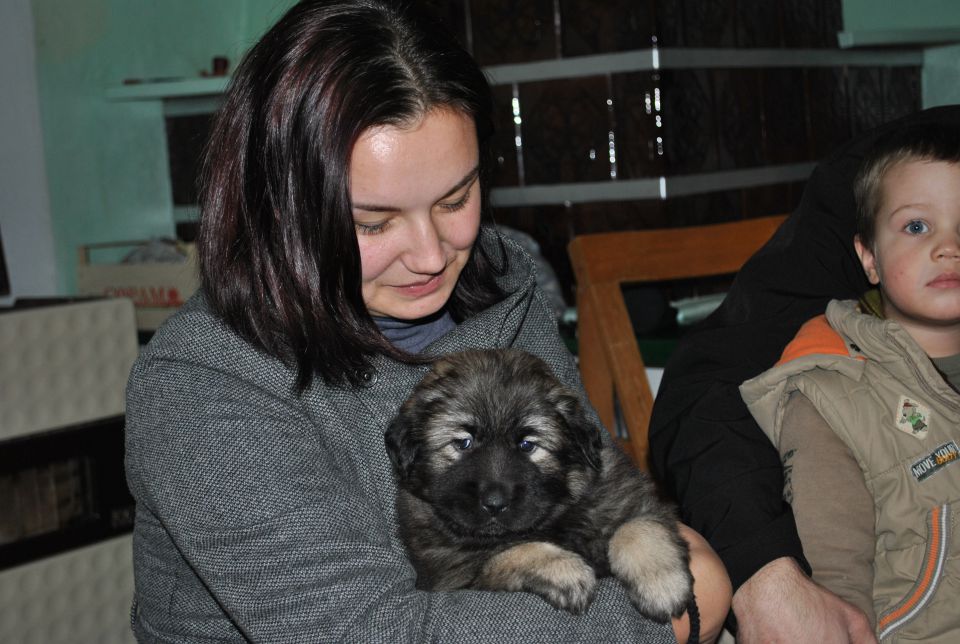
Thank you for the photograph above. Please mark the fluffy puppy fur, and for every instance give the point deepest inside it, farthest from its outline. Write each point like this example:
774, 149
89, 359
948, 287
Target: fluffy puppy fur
504, 484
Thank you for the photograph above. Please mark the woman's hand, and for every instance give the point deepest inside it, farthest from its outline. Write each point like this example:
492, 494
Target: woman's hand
711, 588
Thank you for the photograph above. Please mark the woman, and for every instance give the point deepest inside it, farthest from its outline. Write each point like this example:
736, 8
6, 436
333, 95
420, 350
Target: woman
341, 248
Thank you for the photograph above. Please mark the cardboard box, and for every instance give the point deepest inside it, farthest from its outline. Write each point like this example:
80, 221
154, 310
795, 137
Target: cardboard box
157, 289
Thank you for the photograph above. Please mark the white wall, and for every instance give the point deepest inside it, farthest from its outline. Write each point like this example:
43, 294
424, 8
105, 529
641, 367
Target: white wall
24, 199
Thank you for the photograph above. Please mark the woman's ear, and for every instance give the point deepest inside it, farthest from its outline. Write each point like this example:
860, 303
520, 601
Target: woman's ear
868, 260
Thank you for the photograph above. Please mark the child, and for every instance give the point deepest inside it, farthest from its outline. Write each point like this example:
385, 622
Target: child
863, 404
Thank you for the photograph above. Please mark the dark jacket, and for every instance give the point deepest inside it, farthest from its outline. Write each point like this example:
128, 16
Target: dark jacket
269, 517
704, 445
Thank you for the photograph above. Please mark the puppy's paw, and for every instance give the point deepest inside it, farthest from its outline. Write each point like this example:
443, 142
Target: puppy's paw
652, 561
566, 581
560, 576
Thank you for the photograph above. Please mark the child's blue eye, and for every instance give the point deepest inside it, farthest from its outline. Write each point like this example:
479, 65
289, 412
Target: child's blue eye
916, 227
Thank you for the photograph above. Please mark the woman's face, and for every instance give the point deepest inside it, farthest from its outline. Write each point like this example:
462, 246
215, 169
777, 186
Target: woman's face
415, 195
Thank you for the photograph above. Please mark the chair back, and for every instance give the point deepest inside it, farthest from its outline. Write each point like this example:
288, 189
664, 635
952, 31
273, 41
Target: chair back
611, 365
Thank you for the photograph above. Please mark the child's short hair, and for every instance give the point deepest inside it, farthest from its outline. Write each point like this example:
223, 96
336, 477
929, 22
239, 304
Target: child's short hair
917, 142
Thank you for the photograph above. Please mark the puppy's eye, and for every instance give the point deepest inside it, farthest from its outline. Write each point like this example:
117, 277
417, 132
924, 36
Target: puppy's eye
463, 443
526, 446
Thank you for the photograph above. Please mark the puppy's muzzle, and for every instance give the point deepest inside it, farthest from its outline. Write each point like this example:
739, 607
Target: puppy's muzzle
494, 497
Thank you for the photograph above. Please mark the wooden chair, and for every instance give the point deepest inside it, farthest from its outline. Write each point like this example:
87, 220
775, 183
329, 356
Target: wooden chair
611, 366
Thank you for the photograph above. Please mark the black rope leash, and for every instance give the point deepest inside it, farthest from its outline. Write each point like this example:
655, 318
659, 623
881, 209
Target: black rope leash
694, 613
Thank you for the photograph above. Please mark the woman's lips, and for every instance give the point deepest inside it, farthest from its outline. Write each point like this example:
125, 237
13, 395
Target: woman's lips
947, 280
419, 289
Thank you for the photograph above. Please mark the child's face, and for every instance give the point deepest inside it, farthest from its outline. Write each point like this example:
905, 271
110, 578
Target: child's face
916, 255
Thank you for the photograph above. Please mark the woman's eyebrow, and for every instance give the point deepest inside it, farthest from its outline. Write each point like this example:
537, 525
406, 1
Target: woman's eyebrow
466, 180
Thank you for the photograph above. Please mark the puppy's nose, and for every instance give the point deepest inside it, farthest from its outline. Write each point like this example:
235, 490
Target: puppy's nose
494, 500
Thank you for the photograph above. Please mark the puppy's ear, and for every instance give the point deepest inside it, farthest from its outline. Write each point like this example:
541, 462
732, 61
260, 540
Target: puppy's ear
401, 449
585, 435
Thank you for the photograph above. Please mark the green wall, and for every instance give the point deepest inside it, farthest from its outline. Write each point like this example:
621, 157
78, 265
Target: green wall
941, 76
106, 160
917, 23
899, 14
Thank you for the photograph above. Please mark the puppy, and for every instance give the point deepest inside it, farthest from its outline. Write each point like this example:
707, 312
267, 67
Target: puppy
505, 484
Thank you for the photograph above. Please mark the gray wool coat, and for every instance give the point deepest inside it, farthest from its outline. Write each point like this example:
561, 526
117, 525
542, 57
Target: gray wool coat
266, 516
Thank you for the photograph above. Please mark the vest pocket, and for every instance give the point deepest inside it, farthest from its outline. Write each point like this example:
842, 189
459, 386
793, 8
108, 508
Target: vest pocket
928, 578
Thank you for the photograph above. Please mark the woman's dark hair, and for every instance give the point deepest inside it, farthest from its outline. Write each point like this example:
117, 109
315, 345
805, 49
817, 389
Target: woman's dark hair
279, 259
918, 142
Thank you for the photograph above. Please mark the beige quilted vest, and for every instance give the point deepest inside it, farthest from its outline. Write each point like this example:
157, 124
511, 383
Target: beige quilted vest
881, 394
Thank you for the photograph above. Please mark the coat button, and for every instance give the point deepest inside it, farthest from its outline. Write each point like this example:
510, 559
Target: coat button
368, 378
